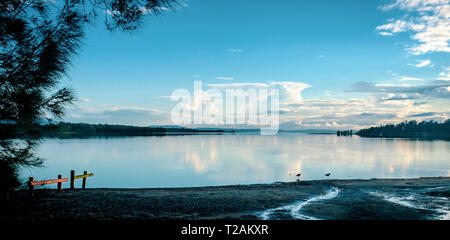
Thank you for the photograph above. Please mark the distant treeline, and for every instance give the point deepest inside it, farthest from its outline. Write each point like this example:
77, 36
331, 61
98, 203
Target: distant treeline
345, 133
410, 129
75, 130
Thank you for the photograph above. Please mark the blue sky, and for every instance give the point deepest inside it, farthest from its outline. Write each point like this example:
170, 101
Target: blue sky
366, 62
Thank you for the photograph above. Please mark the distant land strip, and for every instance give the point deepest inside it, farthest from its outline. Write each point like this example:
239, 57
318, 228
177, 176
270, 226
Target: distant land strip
82, 130
410, 129
407, 129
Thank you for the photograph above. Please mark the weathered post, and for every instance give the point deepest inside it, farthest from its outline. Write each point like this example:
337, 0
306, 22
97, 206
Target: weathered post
30, 186
84, 179
59, 184
72, 179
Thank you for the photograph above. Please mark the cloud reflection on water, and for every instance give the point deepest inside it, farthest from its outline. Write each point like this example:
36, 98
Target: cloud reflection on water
240, 159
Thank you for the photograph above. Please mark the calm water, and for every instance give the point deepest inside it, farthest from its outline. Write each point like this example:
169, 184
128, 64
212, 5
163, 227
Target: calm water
206, 160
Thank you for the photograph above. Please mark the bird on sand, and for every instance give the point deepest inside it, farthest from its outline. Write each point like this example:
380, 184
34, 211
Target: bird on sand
328, 174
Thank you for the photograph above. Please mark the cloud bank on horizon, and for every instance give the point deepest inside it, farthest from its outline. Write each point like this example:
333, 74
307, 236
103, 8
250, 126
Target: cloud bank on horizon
363, 103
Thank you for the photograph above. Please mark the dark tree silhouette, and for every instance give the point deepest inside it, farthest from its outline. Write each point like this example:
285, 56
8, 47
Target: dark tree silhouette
38, 40
85, 130
410, 129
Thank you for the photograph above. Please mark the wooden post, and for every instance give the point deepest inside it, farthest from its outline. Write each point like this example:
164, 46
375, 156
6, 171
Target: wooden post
72, 179
59, 184
84, 180
31, 187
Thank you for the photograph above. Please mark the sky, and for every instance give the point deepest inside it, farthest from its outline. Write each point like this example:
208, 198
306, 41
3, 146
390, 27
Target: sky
345, 64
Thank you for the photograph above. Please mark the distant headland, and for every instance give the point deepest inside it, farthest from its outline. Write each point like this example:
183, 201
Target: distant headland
407, 129
410, 129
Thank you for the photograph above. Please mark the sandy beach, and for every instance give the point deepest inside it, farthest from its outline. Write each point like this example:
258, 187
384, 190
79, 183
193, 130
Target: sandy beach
422, 198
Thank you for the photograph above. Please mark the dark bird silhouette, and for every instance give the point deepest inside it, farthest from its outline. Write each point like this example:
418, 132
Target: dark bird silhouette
328, 174
298, 175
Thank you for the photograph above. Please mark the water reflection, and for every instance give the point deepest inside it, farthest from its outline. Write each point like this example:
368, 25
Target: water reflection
177, 161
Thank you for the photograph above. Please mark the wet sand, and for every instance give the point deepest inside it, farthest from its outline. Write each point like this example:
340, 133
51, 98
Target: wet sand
422, 198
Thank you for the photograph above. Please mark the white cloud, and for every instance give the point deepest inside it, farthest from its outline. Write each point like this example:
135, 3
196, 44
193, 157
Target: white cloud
445, 76
405, 78
399, 26
387, 103
435, 89
413, 4
357, 113
233, 50
290, 92
386, 34
431, 28
224, 78
422, 63
239, 85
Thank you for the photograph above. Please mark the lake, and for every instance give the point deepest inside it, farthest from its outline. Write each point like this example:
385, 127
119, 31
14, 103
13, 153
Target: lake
210, 160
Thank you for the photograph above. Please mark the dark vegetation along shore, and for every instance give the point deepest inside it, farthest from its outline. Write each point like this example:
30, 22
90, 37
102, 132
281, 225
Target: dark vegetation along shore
64, 129
410, 129
407, 129
81, 130
423, 198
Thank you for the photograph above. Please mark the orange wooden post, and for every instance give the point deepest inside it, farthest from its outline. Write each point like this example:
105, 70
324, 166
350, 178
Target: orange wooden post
72, 179
30, 186
59, 184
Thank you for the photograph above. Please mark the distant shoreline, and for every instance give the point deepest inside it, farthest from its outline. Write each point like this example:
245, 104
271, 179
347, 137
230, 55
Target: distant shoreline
407, 130
410, 129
